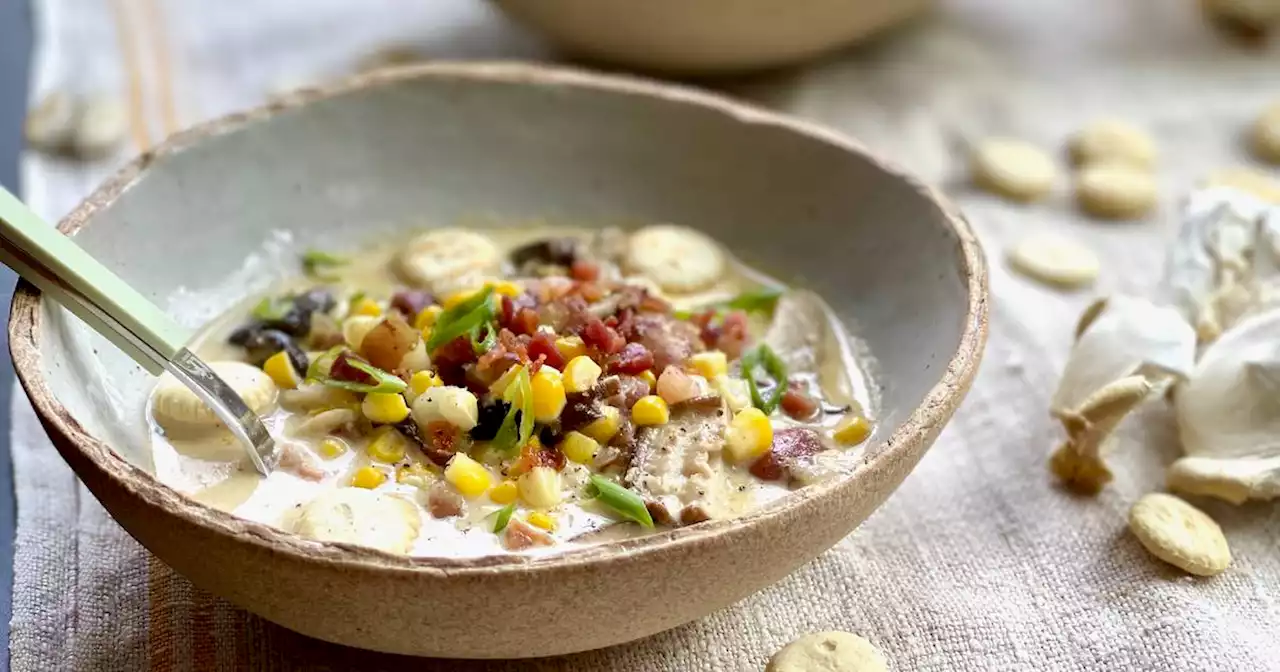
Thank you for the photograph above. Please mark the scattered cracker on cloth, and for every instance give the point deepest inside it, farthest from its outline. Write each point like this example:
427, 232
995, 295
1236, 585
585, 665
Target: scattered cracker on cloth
978, 562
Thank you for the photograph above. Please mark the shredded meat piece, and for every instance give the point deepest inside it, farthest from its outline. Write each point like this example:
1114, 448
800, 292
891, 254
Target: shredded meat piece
296, 459
670, 340
706, 402
580, 410
442, 501
451, 360
634, 360
520, 535
789, 445
622, 391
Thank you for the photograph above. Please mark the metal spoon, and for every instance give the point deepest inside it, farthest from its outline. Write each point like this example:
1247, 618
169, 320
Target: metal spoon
66, 273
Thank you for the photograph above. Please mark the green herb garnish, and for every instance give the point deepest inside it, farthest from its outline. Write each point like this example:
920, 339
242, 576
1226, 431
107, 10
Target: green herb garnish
272, 308
318, 370
512, 433
504, 517
459, 320
622, 501
755, 301
483, 345
321, 367
773, 365
315, 262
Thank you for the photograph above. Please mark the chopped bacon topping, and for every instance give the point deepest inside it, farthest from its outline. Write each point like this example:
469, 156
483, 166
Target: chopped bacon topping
789, 445
343, 370
797, 403
601, 338
543, 346
634, 359
584, 270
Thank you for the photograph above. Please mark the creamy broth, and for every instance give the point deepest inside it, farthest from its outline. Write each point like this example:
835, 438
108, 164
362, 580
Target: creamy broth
204, 461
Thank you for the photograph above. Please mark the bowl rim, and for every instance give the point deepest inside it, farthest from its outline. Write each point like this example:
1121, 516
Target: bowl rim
936, 408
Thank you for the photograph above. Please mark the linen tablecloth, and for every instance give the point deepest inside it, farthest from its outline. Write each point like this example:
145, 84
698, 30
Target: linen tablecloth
978, 562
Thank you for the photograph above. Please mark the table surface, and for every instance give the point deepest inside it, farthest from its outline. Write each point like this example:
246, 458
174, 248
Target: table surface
15, 53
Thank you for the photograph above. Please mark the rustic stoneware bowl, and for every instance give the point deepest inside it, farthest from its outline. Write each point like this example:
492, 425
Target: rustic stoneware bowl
221, 210
701, 37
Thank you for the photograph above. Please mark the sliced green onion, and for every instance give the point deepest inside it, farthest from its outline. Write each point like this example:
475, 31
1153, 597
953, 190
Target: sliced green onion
316, 261
319, 367
622, 501
461, 319
481, 346
272, 308
504, 517
774, 367
756, 301
524, 389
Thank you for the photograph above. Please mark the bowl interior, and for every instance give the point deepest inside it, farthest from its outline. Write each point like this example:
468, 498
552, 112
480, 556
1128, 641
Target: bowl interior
210, 222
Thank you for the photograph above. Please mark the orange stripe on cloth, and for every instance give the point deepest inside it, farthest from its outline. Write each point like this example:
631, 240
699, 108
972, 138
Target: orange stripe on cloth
157, 29
128, 42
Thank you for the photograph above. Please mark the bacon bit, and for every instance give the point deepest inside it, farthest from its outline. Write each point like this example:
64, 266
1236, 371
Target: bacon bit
343, 370
507, 312
634, 360
520, 535
733, 335
442, 501
600, 337
788, 446
798, 404
586, 271
543, 345
441, 442
525, 321
534, 454
451, 359
590, 291
652, 304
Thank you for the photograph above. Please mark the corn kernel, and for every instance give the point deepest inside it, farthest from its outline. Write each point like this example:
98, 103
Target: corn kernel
579, 447
649, 378
504, 492
457, 297
368, 477
581, 374
710, 364
366, 306
604, 427
427, 317
387, 445
749, 435
468, 476
332, 447
540, 487
853, 431
544, 520
650, 410
280, 368
548, 394
507, 288
570, 347
415, 474
423, 381
385, 408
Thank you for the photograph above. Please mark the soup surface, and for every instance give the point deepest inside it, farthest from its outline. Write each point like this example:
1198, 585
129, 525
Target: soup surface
462, 394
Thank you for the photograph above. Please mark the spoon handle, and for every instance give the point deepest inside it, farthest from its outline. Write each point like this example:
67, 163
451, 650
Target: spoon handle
64, 271
73, 278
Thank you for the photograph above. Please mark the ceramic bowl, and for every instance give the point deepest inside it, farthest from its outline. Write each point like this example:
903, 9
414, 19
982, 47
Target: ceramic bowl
223, 209
691, 37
